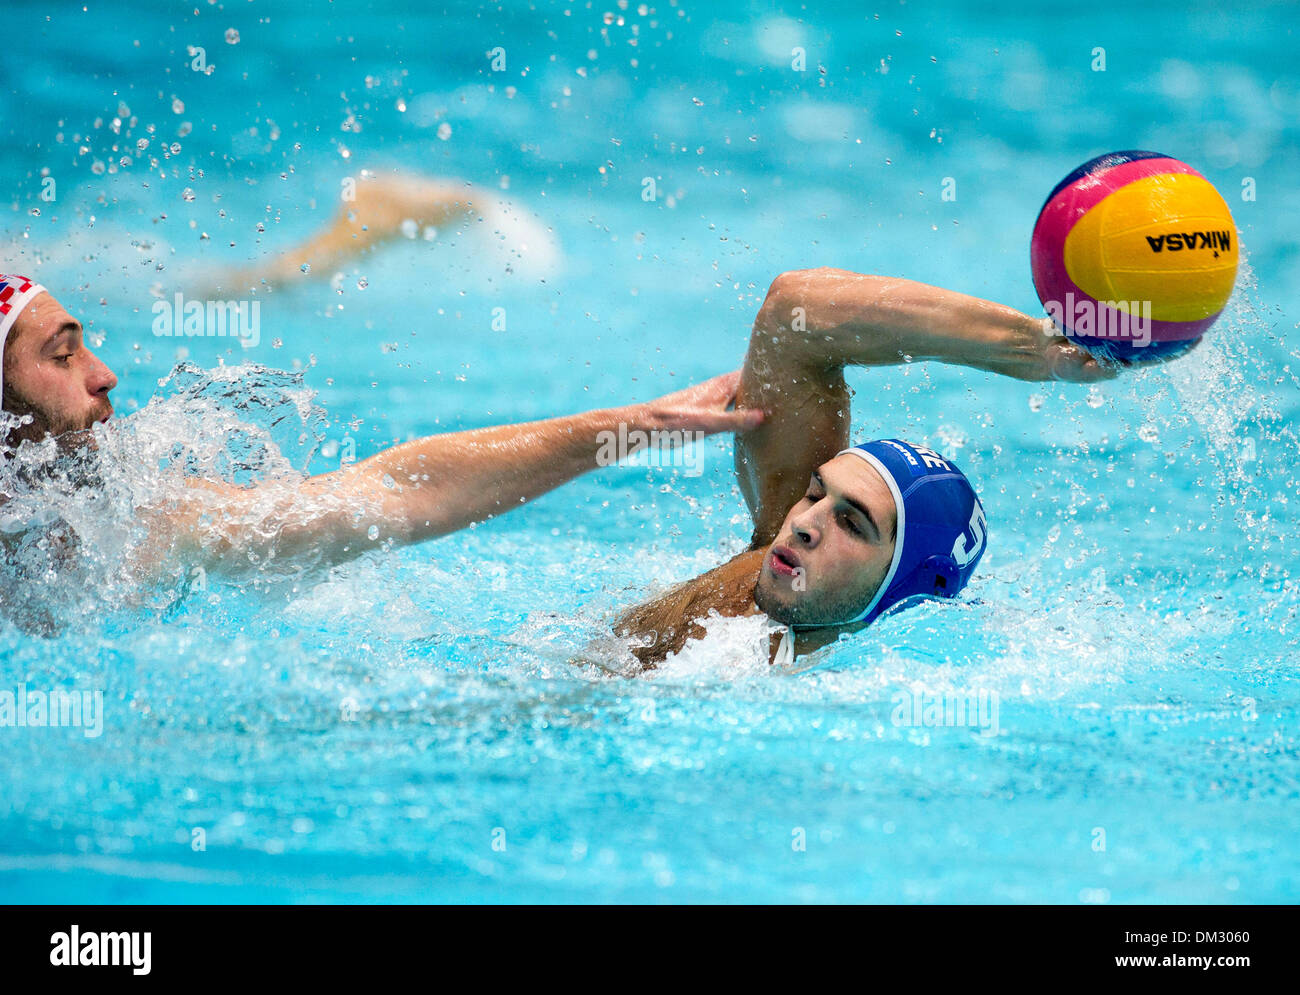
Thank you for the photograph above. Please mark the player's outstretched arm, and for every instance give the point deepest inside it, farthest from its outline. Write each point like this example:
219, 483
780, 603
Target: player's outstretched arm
428, 487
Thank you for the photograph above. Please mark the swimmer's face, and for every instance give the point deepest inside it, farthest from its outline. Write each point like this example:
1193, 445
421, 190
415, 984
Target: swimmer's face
834, 547
51, 375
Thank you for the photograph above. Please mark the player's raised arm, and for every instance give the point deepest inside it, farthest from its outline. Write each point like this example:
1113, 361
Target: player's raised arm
813, 323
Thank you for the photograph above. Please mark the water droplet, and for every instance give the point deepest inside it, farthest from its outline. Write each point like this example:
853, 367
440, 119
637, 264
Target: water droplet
232, 36
373, 532
178, 106
444, 131
1036, 402
305, 267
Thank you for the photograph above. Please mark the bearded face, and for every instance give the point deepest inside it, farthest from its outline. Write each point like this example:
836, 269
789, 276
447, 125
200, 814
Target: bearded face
51, 376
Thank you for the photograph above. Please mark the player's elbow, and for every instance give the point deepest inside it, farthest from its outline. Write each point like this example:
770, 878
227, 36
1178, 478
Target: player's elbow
782, 310
796, 295
787, 290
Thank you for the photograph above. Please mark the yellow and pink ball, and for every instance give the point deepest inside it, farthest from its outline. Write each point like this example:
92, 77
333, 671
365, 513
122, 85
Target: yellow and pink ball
1134, 255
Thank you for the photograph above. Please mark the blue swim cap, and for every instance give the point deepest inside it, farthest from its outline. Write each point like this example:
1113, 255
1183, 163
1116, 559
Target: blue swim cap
942, 531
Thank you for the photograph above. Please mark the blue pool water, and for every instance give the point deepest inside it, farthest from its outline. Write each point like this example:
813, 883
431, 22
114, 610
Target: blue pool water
420, 725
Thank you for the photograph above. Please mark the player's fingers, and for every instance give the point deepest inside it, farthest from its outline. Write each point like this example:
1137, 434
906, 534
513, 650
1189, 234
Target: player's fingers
1075, 364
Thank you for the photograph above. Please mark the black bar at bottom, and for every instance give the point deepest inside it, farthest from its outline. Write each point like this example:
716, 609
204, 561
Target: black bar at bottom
335, 945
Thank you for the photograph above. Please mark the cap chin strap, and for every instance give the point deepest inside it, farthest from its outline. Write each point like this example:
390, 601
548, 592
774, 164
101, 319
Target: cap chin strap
898, 542
12, 307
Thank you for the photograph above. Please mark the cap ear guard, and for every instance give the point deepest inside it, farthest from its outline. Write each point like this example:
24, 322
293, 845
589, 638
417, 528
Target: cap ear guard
936, 576
939, 575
